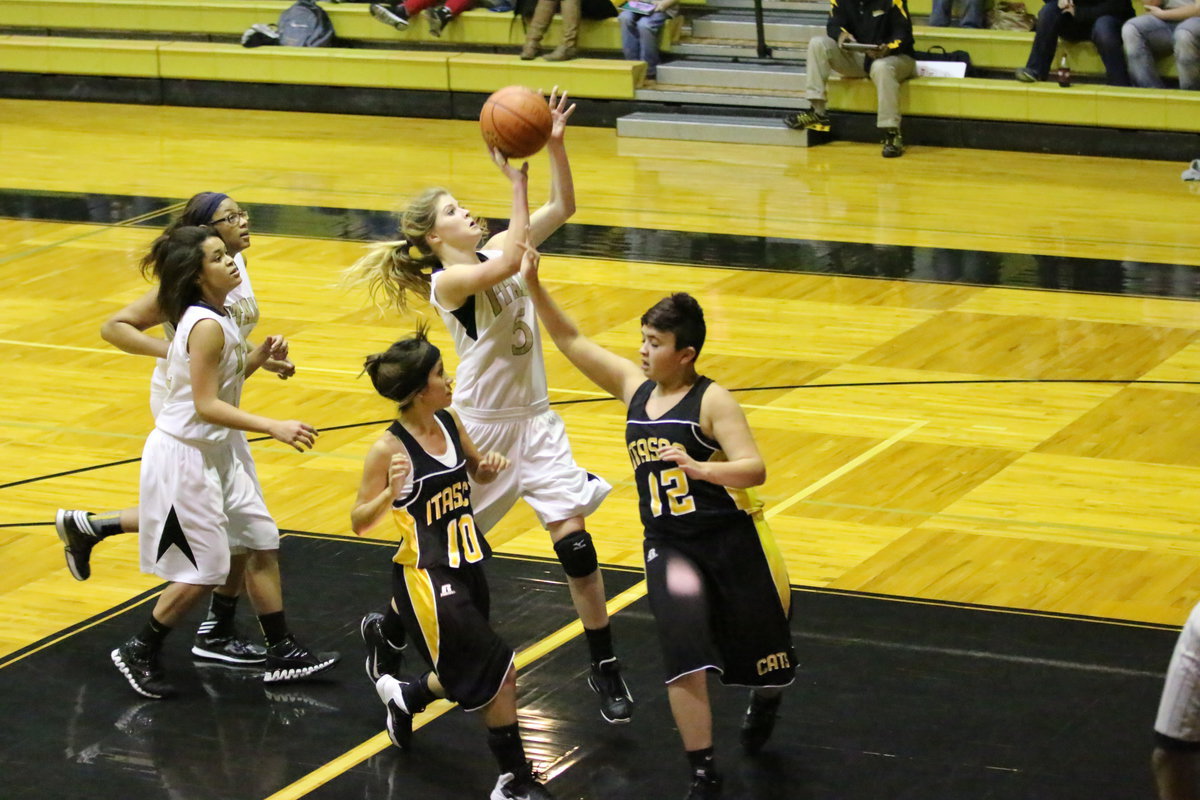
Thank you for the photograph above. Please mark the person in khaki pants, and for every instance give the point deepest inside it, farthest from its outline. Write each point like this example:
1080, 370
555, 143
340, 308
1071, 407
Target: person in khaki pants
866, 38
543, 13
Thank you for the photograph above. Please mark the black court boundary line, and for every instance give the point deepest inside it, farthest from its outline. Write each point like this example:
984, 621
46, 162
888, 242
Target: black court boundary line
741, 252
120, 608
584, 400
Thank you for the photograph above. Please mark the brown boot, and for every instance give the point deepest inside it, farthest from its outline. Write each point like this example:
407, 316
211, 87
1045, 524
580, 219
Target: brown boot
543, 13
572, 10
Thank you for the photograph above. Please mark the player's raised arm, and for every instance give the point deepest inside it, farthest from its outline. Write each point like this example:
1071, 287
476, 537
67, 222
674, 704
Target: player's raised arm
561, 205
610, 372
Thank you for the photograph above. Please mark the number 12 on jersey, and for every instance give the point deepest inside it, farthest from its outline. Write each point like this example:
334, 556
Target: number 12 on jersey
675, 483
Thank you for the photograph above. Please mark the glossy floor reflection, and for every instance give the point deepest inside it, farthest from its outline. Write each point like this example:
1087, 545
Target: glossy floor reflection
861, 259
894, 699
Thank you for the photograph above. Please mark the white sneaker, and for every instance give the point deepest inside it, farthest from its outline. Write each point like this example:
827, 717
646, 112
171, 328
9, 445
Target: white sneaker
509, 787
399, 719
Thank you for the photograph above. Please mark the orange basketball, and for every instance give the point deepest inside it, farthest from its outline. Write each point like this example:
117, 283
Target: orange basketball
516, 121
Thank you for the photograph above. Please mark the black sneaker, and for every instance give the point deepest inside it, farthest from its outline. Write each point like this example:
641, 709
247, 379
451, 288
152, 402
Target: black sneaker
438, 18
524, 787
616, 704
399, 719
809, 119
288, 660
138, 662
78, 539
893, 143
759, 721
395, 15
382, 657
705, 786
214, 644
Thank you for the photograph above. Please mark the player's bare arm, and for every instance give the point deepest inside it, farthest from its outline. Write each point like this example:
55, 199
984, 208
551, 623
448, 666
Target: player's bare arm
722, 419
615, 375
460, 281
126, 330
204, 352
384, 472
561, 206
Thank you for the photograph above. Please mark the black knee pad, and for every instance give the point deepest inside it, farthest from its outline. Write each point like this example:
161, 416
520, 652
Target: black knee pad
576, 554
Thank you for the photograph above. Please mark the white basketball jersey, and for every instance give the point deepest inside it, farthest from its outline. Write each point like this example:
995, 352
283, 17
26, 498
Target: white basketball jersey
501, 375
178, 413
242, 307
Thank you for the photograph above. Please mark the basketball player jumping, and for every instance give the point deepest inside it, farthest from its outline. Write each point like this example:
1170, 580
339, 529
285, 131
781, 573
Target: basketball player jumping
502, 396
717, 585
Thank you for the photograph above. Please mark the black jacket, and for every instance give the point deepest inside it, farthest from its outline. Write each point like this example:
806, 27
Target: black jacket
873, 22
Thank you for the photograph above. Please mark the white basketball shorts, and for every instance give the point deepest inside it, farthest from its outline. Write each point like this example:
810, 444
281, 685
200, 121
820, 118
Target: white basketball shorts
197, 503
1179, 709
543, 472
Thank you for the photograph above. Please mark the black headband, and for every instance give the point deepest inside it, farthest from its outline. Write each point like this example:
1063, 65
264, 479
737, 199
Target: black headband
212, 201
413, 382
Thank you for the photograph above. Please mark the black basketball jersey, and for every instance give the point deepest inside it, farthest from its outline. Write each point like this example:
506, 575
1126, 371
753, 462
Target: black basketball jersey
672, 504
435, 516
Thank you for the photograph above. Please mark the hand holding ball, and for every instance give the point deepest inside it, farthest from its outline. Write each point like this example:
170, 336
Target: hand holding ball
516, 121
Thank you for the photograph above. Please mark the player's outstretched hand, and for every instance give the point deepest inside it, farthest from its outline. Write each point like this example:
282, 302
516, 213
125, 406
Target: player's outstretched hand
560, 112
490, 466
531, 259
511, 172
299, 435
398, 472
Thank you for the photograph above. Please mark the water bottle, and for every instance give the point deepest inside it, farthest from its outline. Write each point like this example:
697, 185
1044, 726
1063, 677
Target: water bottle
1064, 72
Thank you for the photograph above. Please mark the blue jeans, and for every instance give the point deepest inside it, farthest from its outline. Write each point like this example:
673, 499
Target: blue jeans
972, 13
639, 38
1147, 37
1105, 33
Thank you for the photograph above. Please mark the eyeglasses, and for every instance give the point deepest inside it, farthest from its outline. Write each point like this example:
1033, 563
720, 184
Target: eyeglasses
232, 218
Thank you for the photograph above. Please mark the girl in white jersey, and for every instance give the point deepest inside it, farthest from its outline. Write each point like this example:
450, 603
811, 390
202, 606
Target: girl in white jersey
502, 396
194, 489
217, 638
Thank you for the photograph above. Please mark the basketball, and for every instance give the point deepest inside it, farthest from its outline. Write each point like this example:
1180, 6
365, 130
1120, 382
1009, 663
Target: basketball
516, 121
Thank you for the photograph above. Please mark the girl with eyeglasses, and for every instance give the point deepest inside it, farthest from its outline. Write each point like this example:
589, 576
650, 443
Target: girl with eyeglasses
199, 498
254, 565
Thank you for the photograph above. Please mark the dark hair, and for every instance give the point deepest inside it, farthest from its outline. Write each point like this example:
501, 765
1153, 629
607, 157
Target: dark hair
196, 213
177, 258
402, 371
681, 315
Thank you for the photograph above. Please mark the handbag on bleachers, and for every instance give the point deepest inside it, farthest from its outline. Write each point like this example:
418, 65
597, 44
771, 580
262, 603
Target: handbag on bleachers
939, 53
1009, 15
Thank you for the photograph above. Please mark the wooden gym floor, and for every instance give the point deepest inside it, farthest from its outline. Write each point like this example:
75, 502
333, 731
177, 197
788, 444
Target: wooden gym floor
971, 373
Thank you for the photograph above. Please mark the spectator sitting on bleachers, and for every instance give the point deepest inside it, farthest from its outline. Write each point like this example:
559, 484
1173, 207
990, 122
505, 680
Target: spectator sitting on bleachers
539, 22
640, 32
972, 14
882, 23
1167, 25
1075, 21
398, 14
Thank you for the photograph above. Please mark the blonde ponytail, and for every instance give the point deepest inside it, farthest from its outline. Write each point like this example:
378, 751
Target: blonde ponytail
389, 271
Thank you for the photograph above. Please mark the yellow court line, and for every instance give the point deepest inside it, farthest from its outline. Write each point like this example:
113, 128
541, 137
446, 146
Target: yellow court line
379, 742
853, 463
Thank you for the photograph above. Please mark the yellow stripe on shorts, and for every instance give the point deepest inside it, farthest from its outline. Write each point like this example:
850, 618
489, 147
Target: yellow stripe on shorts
775, 562
424, 603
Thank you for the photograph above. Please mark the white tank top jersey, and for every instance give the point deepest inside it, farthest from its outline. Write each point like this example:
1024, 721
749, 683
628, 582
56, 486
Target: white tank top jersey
501, 375
242, 307
178, 415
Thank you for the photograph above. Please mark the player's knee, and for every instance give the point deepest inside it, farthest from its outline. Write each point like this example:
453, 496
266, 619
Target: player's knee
576, 554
